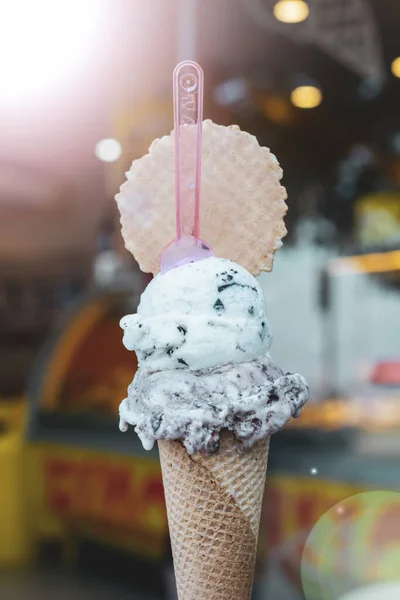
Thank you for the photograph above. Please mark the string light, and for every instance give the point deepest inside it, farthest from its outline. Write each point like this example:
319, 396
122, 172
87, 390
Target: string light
291, 11
396, 67
306, 96
108, 150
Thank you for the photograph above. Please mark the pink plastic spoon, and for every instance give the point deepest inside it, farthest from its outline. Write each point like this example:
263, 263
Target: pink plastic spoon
188, 119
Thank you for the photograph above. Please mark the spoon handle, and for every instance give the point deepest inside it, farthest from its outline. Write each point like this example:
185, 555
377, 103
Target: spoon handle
188, 117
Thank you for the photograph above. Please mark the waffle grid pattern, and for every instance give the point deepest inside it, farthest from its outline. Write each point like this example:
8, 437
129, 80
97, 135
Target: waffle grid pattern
241, 475
242, 200
213, 544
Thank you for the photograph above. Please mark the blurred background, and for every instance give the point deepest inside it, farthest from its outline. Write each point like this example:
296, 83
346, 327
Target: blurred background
85, 86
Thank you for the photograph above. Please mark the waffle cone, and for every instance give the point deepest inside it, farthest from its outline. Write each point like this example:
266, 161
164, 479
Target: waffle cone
214, 507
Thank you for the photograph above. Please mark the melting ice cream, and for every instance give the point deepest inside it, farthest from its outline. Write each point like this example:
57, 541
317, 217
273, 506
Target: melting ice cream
202, 341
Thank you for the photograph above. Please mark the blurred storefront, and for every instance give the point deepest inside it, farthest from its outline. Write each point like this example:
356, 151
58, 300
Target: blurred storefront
95, 493
326, 466
76, 491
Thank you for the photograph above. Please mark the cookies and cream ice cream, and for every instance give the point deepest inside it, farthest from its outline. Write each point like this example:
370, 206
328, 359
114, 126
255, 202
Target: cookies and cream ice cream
201, 315
206, 388
202, 341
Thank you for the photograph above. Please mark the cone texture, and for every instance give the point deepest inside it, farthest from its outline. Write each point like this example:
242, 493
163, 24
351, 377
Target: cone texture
214, 506
241, 199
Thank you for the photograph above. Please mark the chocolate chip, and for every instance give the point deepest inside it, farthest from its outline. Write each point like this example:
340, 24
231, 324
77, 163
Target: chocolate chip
156, 422
272, 398
182, 362
229, 277
219, 306
251, 310
140, 325
170, 351
221, 288
212, 443
182, 329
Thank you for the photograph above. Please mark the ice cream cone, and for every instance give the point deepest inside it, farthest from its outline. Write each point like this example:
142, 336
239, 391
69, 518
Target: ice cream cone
214, 507
206, 389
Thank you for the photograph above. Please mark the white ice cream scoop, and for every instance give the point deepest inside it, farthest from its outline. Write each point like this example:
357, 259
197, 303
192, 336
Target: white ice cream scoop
201, 315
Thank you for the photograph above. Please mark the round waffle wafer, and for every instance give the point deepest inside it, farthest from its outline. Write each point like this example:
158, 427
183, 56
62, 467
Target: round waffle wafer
242, 200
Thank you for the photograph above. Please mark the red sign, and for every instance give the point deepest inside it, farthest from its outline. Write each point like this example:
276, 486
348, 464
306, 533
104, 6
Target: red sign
118, 495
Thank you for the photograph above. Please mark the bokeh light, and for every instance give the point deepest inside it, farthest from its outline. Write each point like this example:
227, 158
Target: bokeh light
355, 543
381, 591
108, 150
306, 96
291, 11
396, 67
41, 41
277, 109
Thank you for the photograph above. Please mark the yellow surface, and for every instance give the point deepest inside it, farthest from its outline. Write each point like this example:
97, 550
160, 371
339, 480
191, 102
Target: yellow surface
13, 412
112, 498
13, 539
65, 349
377, 217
